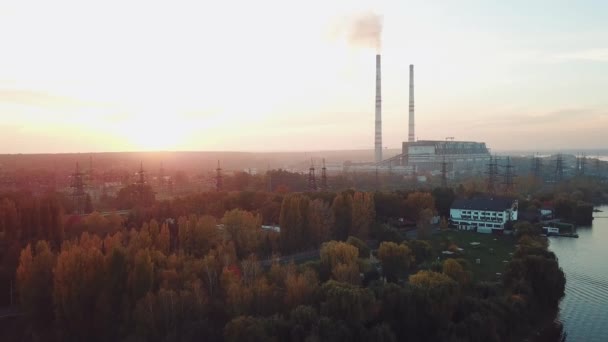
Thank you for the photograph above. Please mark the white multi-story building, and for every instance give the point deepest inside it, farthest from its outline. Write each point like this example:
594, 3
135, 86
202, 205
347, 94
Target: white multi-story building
483, 214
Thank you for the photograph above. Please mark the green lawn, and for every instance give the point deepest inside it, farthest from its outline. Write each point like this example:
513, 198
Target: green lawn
492, 251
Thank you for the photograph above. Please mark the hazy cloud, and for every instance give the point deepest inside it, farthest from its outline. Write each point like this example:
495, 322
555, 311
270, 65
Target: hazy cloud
594, 55
39, 99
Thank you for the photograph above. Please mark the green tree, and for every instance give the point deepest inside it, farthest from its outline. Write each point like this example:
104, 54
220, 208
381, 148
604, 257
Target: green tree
347, 302
364, 250
422, 250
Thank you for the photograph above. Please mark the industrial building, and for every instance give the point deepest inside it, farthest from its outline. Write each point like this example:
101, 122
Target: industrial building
432, 156
460, 156
428, 155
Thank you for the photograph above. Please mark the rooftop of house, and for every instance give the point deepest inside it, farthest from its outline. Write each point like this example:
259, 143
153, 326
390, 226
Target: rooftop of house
483, 203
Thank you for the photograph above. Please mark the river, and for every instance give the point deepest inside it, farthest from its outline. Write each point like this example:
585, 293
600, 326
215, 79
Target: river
584, 309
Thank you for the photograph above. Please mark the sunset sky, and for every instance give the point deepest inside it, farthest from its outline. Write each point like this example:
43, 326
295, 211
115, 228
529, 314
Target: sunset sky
277, 75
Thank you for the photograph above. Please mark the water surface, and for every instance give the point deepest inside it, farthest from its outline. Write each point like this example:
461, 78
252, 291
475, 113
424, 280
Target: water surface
584, 309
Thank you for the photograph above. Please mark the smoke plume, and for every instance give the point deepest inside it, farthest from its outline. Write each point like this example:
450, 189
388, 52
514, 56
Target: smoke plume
363, 30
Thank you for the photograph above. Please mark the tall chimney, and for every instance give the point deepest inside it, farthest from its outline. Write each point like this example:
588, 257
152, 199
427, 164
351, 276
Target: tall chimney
378, 126
412, 134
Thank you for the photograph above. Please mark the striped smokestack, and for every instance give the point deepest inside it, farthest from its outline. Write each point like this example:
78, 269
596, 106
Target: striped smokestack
378, 126
412, 133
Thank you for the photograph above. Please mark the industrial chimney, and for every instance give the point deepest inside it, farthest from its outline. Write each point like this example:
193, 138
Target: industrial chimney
412, 132
378, 127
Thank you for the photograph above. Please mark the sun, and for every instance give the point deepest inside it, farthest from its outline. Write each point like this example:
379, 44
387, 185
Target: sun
156, 133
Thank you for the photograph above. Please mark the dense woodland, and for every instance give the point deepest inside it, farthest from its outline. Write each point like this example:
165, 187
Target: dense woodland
200, 267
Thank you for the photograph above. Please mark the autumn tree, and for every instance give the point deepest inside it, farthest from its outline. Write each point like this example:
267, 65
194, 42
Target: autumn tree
396, 259
441, 291
417, 202
34, 274
341, 261
204, 235
294, 223
77, 284
320, 221
454, 270
243, 229
363, 214
342, 208
300, 288
141, 276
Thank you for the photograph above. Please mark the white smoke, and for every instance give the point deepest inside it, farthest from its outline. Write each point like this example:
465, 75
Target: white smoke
362, 30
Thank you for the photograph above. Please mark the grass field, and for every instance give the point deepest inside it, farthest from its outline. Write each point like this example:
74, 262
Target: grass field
492, 251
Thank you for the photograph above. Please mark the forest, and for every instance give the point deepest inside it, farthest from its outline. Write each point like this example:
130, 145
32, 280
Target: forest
201, 268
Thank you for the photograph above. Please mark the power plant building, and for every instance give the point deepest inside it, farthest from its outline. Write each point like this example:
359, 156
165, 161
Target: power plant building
421, 155
460, 156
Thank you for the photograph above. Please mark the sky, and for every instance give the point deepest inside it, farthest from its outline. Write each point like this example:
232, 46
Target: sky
279, 75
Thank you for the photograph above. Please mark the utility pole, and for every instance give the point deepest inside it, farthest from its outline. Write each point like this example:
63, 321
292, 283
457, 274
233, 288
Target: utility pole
218, 178
312, 181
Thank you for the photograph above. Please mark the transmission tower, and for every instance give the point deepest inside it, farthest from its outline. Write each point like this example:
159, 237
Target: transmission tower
509, 175
444, 173
218, 178
492, 176
141, 180
559, 168
161, 175
583, 164
537, 165
324, 177
312, 180
141, 175
91, 173
78, 194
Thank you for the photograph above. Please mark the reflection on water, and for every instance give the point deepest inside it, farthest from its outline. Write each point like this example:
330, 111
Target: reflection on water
584, 310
